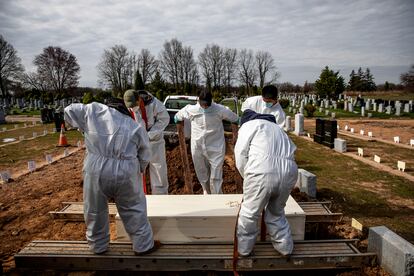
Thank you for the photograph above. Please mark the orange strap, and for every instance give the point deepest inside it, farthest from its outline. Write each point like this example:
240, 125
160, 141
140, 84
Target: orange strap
144, 179
143, 113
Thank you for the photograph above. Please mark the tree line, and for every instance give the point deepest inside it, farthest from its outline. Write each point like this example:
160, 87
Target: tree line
175, 70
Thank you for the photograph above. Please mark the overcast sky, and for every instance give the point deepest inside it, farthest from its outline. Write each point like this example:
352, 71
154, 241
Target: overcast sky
302, 36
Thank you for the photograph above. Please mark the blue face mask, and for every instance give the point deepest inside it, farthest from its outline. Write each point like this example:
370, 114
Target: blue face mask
269, 105
206, 110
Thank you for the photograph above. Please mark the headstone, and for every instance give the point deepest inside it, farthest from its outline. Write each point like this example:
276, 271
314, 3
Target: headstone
345, 106
407, 108
327, 112
288, 124
369, 115
363, 111
377, 158
307, 182
339, 145
346, 127
397, 139
299, 124
352, 130
381, 108
388, 110
360, 152
374, 106
66, 153
370, 134
326, 132
320, 110
31, 166
367, 105
351, 107
412, 142
398, 110
5, 176
362, 132
290, 109
333, 115
401, 165
49, 158
393, 253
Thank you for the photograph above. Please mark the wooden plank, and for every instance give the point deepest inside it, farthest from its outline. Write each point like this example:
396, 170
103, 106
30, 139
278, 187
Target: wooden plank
54, 255
318, 212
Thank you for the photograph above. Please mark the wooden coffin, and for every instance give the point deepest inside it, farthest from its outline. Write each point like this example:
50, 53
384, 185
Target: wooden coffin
202, 218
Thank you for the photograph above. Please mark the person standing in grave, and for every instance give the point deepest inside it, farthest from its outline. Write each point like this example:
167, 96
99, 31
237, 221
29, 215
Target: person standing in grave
267, 103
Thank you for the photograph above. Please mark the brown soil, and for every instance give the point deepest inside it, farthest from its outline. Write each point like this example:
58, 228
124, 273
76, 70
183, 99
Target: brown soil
25, 203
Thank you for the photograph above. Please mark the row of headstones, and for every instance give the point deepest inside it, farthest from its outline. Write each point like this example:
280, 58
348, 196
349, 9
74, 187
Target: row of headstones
400, 164
370, 134
5, 176
299, 124
25, 125
33, 103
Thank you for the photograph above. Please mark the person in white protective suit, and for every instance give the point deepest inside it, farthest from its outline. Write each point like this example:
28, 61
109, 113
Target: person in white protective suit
158, 119
265, 159
207, 139
266, 104
117, 149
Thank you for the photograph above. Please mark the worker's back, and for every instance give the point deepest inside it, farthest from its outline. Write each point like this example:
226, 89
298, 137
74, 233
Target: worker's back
264, 143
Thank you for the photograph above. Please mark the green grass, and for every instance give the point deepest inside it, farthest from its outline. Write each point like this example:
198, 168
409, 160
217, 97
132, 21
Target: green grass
27, 132
357, 189
16, 111
16, 155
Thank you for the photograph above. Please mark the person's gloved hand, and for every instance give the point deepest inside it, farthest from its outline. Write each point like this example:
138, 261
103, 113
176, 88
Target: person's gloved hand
176, 120
154, 135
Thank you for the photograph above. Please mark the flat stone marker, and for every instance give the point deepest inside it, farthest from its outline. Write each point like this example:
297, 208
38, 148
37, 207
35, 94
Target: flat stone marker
66, 153
360, 152
370, 134
401, 165
394, 253
31, 166
397, 139
346, 127
411, 142
361, 132
352, 130
377, 158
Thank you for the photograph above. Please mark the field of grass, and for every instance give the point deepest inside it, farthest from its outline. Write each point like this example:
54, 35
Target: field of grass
384, 95
27, 132
358, 190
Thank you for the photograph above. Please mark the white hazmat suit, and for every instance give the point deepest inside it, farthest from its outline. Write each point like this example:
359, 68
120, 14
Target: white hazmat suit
117, 149
257, 104
265, 158
158, 120
207, 142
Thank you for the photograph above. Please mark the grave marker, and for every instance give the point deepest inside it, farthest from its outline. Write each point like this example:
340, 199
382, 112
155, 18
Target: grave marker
346, 127
360, 152
369, 133
352, 130
31, 166
377, 158
401, 165
49, 158
397, 139
34, 134
411, 142
339, 145
5, 176
66, 153
362, 132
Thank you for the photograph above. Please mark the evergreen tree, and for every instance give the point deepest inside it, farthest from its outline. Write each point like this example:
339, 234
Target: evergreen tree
138, 84
369, 84
330, 84
353, 81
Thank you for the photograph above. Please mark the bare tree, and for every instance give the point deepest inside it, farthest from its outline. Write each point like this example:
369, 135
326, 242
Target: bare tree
407, 79
177, 63
35, 81
247, 71
11, 68
265, 67
147, 65
170, 58
116, 69
58, 68
212, 63
230, 67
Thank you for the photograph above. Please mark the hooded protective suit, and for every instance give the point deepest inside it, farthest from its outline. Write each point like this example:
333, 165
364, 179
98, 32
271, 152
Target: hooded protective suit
257, 104
117, 149
207, 142
158, 120
265, 159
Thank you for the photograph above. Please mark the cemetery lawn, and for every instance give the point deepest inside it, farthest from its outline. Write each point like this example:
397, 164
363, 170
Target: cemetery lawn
27, 132
14, 157
360, 191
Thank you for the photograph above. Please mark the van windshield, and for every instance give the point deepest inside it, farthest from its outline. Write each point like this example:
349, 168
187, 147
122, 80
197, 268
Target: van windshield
178, 103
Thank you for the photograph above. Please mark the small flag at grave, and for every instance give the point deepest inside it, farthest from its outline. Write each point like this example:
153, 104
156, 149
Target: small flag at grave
31, 165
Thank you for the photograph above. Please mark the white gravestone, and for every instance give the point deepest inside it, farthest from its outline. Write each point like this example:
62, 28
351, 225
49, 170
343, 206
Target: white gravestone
299, 123
363, 111
360, 152
346, 127
362, 132
306, 182
397, 139
31, 166
288, 124
401, 165
412, 142
339, 145
352, 130
381, 108
370, 134
377, 158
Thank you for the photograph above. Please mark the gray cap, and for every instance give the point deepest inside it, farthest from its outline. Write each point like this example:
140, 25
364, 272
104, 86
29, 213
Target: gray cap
130, 98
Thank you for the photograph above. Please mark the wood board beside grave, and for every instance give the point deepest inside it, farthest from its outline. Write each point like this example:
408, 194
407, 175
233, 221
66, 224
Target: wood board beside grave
202, 218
